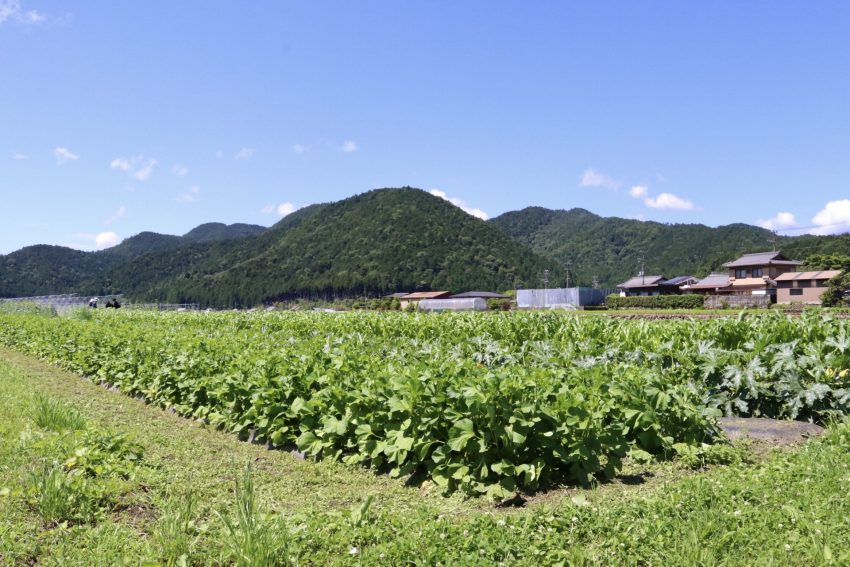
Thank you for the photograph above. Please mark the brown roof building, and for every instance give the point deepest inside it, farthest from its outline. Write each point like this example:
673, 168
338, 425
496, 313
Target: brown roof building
803, 287
418, 296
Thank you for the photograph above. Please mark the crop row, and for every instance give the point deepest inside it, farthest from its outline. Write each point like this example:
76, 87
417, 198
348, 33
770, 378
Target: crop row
486, 404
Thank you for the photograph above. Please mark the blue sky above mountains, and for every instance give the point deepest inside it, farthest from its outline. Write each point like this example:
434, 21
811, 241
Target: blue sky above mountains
118, 118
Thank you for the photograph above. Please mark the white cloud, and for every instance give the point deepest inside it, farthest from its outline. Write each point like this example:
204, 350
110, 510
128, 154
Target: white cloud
106, 240
281, 209
349, 147
119, 214
592, 178
834, 218
12, 10
460, 204
639, 191
778, 221
64, 155
145, 171
244, 154
179, 170
18, 156
121, 164
97, 241
191, 195
299, 149
668, 201
139, 167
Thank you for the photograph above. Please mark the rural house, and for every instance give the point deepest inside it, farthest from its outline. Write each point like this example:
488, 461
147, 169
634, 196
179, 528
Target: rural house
755, 274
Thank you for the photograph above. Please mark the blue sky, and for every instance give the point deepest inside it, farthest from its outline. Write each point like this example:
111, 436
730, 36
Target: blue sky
120, 117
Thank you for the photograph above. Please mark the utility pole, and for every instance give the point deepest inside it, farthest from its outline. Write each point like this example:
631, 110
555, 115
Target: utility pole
772, 239
567, 267
545, 286
641, 258
595, 283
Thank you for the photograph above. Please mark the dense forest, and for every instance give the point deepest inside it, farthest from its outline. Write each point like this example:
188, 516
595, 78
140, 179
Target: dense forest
389, 240
611, 249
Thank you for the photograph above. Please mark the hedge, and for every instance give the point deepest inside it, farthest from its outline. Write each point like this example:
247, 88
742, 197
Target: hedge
655, 302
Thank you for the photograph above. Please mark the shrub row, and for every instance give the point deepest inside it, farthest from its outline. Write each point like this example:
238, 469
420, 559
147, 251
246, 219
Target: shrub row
692, 301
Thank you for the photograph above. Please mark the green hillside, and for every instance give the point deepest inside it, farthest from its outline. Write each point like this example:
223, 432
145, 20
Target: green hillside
44, 269
611, 248
378, 242
384, 241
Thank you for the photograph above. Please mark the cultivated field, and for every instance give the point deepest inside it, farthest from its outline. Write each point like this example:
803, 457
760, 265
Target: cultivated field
442, 408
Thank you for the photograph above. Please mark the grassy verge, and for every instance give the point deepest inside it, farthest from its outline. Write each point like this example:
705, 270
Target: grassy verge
90, 477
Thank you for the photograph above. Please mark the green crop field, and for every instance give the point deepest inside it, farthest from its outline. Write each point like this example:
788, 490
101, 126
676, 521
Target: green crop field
456, 406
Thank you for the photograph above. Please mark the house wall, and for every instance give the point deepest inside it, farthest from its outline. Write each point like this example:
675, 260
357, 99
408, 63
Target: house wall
769, 271
808, 293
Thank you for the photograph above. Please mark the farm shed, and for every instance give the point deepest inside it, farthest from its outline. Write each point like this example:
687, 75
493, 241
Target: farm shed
654, 285
452, 304
481, 294
417, 296
803, 287
560, 297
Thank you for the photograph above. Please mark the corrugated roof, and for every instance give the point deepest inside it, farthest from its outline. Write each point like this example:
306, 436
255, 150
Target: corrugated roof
712, 280
821, 275
762, 259
483, 294
426, 295
678, 280
642, 281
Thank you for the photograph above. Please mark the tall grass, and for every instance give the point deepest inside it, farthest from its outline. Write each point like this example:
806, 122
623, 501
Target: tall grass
55, 415
175, 533
58, 496
253, 538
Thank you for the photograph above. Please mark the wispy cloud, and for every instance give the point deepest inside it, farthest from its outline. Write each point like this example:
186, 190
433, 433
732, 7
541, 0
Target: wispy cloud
117, 215
592, 178
64, 155
299, 149
244, 154
179, 170
668, 201
349, 147
190, 195
778, 221
281, 209
639, 191
834, 218
140, 167
460, 204
11, 10
18, 156
219, 154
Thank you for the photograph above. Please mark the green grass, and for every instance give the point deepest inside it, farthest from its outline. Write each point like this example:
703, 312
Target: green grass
54, 415
183, 498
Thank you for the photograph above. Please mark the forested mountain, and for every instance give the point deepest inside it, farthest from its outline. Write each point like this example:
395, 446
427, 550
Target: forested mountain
384, 241
378, 242
610, 248
44, 269
212, 231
